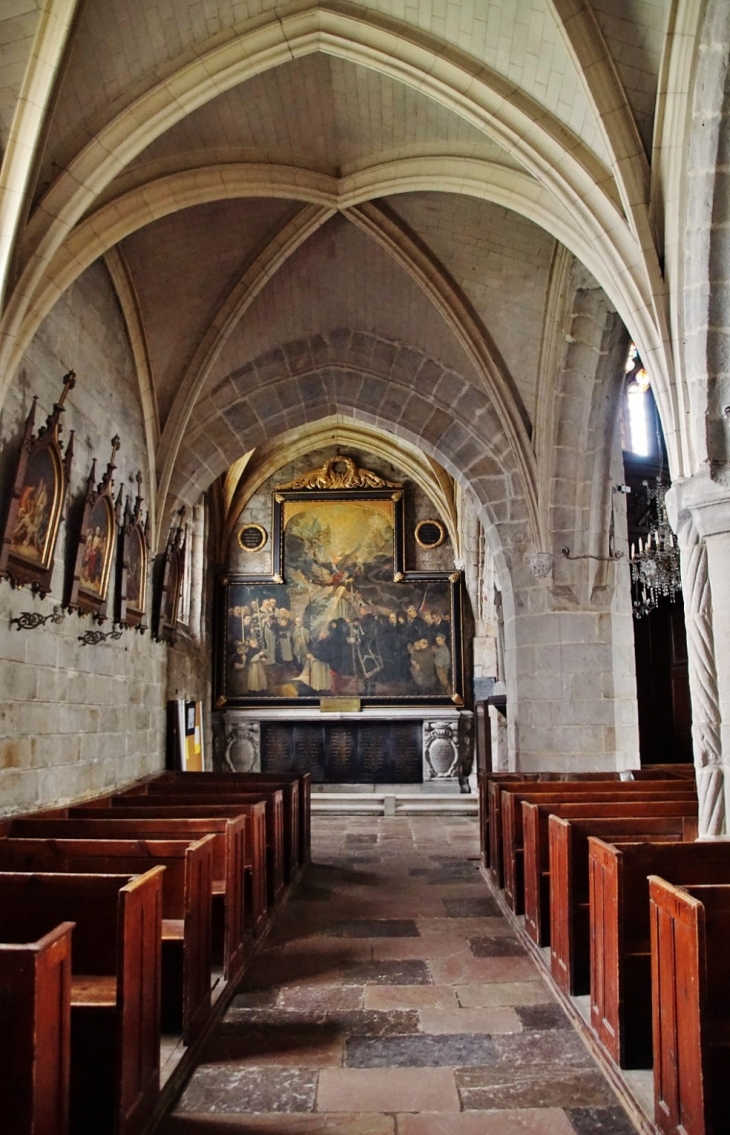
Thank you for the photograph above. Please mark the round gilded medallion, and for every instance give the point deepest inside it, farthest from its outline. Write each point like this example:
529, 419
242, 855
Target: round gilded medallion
252, 537
430, 533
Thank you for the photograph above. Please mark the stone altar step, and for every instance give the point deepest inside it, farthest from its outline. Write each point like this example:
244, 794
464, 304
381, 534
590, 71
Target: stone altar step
393, 803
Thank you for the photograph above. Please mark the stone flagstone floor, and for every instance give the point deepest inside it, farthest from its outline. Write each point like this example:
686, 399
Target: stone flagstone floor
393, 999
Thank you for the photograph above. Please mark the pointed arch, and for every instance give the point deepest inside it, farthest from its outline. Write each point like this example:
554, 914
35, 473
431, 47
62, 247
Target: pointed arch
340, 430
129, 303
610, 256
286, 242
454, 308
29, 122
579, 184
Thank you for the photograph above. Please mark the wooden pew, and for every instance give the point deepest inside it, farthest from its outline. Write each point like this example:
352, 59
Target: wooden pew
484, 779
690, 930
568, 899
144, 807
536, 844
250, 781
239, 841
550, 781
512, 834
115, 987
205, 805
486, 821
35, 1033
209, 786
620, 1001
186, 906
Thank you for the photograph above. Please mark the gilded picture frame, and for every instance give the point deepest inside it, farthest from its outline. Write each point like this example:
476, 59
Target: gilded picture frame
168, 589
89, 589
132, 563
37, 500
339, 616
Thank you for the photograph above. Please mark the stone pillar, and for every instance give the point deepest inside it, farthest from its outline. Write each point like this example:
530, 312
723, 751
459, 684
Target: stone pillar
699, 512
571, 680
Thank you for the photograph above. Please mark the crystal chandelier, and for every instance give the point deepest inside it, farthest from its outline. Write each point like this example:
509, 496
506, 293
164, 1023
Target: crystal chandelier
655, 567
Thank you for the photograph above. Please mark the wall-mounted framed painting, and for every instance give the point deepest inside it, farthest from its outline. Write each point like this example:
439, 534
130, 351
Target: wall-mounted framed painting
133, 563
89, 590
339, 616
37, 501
168, 590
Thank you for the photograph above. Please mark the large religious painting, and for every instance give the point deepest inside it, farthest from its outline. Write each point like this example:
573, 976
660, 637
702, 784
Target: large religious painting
340, 617
36, 505
169, 583
95, 549
132, 563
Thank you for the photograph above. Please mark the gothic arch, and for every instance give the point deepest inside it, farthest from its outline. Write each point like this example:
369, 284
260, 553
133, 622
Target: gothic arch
458, 427
581, 187
424, 471
430, 277
707, 232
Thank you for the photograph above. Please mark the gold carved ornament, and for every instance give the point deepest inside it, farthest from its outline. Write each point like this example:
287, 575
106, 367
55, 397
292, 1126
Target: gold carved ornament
339, 473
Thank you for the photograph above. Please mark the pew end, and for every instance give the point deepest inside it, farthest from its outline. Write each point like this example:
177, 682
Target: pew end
35, 1032
690, 927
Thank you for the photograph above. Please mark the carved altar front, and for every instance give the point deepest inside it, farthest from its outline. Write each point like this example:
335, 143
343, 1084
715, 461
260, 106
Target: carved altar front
402, 746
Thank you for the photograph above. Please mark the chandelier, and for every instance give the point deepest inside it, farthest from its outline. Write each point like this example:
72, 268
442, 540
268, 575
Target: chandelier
655, 567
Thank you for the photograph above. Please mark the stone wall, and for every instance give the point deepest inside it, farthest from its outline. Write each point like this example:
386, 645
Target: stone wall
76, 719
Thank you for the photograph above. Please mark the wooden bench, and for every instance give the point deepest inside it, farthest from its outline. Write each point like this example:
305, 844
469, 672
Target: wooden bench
690, 930
201, 786
115, 986
548, 782
512, 833
35, 1033
186, 906
211, 805
251, 781
484, 778
152, 808
536, 843
239, 847
568, 878
620, 1001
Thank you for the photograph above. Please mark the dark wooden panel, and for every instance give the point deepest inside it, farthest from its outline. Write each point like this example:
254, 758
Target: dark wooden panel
35, 1033
345, 752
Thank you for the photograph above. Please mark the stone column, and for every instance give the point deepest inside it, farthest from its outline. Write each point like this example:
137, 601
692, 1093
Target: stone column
699, 512
571, 681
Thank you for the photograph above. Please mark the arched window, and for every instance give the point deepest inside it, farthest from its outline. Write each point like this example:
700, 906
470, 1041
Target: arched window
641, 432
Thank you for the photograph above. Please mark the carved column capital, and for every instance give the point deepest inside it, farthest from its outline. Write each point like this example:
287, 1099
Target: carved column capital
700, 502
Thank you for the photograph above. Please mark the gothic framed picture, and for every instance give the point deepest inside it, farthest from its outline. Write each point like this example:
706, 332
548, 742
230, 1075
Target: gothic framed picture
339, 616
132, 563
168, 590
89, 588
37, 500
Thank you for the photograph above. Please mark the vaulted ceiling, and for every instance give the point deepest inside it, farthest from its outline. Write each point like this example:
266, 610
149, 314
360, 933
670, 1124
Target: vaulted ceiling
260, 174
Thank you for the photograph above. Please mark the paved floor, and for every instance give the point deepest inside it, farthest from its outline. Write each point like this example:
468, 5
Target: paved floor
393, 999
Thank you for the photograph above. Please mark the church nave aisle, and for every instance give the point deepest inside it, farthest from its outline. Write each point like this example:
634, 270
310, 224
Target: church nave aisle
392, 998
